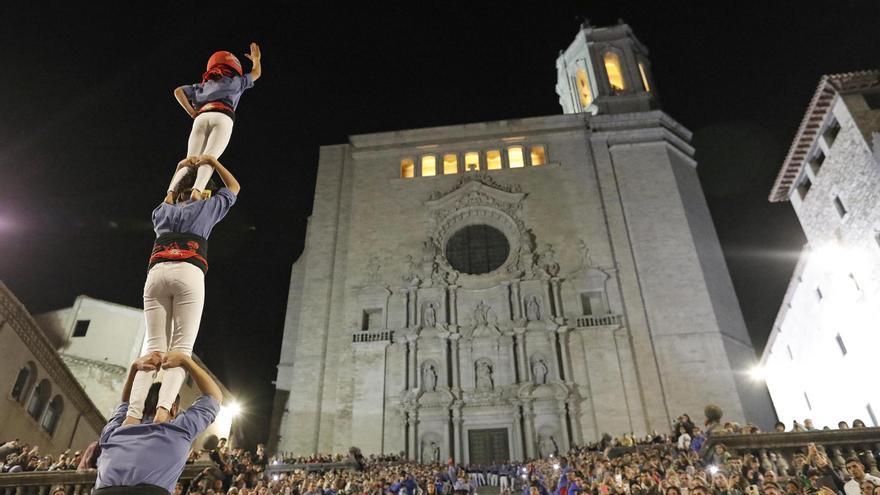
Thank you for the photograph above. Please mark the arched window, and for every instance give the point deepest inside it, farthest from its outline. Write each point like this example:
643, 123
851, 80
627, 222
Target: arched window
27, 375
583, 85
644, 74
450, 164
538, 155
472, 161
429, 165
493, 160
53, 414
407, 168
615, 71
39, 399
516, 157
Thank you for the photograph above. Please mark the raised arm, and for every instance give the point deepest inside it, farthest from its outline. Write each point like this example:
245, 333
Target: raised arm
254, 57
148, 362
225, 175
203, 380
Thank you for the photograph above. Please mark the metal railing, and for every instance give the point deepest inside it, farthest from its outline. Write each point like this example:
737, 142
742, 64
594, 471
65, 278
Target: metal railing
73, 482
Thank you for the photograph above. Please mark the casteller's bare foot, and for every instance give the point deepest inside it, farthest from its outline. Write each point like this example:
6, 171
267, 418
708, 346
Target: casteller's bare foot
130, 420
162, 415
169, 198
196, 195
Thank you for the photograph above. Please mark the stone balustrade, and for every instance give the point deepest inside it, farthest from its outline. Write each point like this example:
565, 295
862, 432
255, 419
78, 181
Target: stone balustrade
598, 320
74, 482
776, 450
382, 336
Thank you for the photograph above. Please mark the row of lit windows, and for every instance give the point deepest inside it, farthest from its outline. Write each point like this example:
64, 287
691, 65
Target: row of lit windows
473, 161
614, 70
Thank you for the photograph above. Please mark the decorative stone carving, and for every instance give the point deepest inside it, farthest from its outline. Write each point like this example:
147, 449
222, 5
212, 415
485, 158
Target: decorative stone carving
373, 268
485, 381
539, 372
429, 260
586, 261
548, 262
485, 321
410, 272
547, 446
533, 309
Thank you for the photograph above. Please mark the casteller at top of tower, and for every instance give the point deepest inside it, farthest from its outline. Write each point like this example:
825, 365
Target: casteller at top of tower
605, 70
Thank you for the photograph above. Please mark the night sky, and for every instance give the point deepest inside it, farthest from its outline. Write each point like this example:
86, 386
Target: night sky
90, 132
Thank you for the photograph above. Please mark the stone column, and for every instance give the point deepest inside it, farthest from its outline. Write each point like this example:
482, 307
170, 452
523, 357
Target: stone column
563, 423
404, 346
574, 415
412, 306
510, 340
517, 308
456, 366
414, 435
552, 337
557, 297
453, 305
518, 447
562, 335
444, 344
415, 379
456, 426
530, 430
405, 422
523, 361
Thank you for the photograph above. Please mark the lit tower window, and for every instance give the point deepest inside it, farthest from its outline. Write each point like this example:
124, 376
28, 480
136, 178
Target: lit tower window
493, 160
472, 161
407, 168
539, 156
515, 157
450, 164
583, 84
614, 71
429, 165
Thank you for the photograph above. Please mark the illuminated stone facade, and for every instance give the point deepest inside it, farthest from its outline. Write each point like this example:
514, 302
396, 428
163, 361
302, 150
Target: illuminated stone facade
825, 333
607, 306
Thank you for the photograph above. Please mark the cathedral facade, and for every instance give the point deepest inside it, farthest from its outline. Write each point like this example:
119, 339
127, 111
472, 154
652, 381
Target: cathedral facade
504, 290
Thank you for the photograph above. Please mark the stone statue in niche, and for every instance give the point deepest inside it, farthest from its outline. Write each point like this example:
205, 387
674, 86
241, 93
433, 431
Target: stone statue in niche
430, 316
548, 262
539, 372
533, 309
429, 378
485, 381
435, 452
373, 267
547, 446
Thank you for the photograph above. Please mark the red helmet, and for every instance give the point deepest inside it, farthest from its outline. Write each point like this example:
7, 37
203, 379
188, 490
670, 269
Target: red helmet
224, 58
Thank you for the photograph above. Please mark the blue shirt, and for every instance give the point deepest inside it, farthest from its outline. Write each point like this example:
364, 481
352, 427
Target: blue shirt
225, 89
193, 217
151, 453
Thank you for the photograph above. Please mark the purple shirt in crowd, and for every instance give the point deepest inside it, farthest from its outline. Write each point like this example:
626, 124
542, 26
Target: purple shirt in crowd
193, 217
225, 89
151, 453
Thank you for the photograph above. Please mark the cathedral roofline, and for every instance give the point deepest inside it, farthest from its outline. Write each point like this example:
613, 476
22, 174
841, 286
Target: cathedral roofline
506, 129
830, 86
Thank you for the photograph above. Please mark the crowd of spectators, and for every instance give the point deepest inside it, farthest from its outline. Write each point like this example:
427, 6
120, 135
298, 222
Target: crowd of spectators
655, 464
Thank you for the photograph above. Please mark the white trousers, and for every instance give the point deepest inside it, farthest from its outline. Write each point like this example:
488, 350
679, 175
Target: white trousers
174, 296
210, 134
503, 480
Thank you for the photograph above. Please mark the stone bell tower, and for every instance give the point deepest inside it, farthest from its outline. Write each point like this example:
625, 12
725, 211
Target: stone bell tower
605, 70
